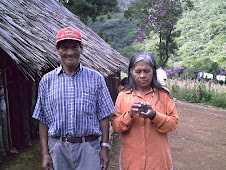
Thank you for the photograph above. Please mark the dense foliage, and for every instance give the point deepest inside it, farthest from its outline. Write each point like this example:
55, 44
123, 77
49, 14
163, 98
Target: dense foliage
202, 45
119, 32
158, 17
89, 10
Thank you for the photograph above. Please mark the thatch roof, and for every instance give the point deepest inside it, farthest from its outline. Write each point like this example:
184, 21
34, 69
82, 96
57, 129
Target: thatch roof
28, 31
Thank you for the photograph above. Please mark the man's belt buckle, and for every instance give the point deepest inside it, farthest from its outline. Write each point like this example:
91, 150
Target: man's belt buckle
66, 140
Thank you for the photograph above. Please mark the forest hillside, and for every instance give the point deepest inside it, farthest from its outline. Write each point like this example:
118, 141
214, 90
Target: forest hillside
203, 35
202, 44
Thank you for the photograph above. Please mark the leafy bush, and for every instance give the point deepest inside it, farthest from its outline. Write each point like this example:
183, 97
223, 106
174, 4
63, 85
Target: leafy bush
221, 71
174, 71
206, 97
219, 100
189, 97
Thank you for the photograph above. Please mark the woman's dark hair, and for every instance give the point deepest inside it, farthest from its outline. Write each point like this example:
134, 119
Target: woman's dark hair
124, 81
162, 65
138, 57
60, 42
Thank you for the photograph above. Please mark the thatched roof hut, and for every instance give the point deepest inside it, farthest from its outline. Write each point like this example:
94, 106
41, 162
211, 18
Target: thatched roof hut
28, 33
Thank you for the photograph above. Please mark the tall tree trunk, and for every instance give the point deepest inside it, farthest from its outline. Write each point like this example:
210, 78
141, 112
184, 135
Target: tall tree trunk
160, 47
167, 45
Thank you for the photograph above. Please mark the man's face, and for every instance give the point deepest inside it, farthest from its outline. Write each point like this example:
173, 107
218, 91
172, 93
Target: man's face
70, 52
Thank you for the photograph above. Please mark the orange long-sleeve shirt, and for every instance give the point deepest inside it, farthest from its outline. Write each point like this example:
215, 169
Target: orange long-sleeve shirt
120, 88
145, 144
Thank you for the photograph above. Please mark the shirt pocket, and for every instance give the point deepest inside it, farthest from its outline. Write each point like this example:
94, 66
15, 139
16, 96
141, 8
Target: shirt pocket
87, 104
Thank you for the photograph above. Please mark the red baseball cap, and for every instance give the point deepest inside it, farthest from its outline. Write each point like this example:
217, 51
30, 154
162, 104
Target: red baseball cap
68, 34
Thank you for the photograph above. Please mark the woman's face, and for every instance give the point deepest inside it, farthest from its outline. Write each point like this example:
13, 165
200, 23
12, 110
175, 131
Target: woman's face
143, 74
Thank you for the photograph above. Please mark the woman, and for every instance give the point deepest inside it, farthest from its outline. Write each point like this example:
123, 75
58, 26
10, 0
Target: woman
145, 113
122, 84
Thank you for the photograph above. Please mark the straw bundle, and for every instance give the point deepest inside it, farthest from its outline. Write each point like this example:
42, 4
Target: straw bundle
28, 33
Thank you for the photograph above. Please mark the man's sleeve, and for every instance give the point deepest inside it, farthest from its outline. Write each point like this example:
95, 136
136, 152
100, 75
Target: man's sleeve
38, 111
105, 105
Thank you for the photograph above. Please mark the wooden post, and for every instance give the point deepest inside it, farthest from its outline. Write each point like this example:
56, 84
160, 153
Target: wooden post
5, 141
2, 109
25, 90
7, 104
34, 94
210, 82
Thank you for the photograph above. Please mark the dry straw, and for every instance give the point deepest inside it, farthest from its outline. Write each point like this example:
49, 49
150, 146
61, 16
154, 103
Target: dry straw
28, 34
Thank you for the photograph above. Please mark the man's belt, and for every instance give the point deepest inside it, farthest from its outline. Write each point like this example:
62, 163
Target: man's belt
77, 139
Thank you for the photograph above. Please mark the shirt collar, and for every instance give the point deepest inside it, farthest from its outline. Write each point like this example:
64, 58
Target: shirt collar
60, 69
135, 92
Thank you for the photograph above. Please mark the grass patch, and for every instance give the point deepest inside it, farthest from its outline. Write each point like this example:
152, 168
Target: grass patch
198, 92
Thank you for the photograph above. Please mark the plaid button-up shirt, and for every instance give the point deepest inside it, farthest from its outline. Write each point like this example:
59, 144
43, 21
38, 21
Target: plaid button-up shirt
73, 105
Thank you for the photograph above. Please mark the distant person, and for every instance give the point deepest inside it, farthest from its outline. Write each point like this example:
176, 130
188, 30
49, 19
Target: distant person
161, 75
123, 82
145, 113
73, 109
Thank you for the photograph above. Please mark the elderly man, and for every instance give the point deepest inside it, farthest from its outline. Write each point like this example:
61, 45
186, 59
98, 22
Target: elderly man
73, 106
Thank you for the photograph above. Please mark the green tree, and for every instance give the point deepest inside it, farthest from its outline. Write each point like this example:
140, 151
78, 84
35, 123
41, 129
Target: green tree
202, 34
159, 17
119, 33
89, 10
205, 64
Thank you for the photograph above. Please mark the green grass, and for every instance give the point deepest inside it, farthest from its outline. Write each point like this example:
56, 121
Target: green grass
198, 92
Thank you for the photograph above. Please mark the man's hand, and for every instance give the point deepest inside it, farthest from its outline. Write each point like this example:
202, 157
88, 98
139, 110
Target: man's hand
47, 162
104, 158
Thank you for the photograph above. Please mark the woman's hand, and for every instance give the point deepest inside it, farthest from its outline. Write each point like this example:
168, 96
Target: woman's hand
134, 108
149, 114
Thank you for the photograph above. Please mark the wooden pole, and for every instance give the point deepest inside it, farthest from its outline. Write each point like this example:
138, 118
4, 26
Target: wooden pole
2, 110
7, 104
4, 135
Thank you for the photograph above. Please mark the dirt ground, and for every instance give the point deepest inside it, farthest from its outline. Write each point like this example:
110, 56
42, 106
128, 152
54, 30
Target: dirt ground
199, 143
